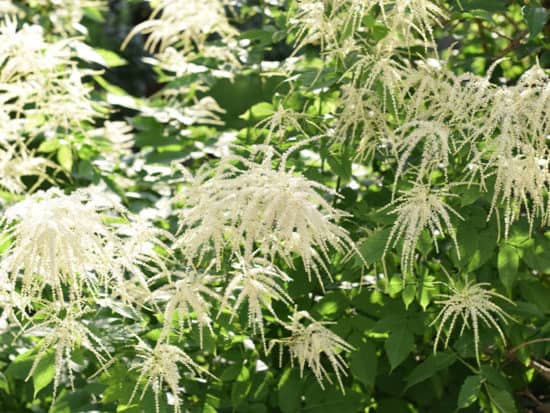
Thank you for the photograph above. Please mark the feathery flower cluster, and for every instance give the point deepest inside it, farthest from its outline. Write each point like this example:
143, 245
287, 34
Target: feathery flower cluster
47, 100
159, 366
64, 15
62, 242
58, 241
52, 86
471, 302
16, 162
309, 342
187, 296
280, 212
182, 27
333, 24
257, 281
417, 209
65, 334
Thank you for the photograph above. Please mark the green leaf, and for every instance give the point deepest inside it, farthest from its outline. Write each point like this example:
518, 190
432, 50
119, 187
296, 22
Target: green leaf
4, 384
398, 346
501, 399
409, 292
341, 166
469, 391
44, 372
65, 157
373, 247
258, 112
429, 367
49, 145
289, 391
536, 18
231, 372
488, 5
535, 253
364, 364
494, 377
110, 58
508, 263
535, 293
93, 13
395, 286
20, 366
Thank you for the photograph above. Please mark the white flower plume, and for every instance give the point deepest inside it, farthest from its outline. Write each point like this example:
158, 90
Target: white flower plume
257, 281
158, 366
185, 23
187, 298
417, 209
58, 241
470, 302
309, 342
65, 333
273, 208
17, 162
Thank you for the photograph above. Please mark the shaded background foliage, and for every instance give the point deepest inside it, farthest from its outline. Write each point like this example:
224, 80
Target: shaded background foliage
393, 368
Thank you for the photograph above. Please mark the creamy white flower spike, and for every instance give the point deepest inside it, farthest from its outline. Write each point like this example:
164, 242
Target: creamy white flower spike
274, 208
310, 340
58, 242
64, 331
417, 209
185, 23
469, 303
66, 244
159, 367
186, 298
258, 282
17, 162
49, 95
64, 15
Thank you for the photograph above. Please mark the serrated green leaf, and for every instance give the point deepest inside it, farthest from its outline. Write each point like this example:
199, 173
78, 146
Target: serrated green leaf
373, 247
49, 145
429, 367
258, 112
44, 372
364, 364
231, 372
398, 346
65, 157
110, 58
508, 263
469, 391
494, 377
501, 399
408, 294
341, 166
289, 391
536, 18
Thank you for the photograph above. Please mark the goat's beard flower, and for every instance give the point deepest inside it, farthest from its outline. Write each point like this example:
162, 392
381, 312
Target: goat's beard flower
280, 211
186, 23
189, 294
48, 94
158, 366
58, 241
521, 180
17, 162
65, 333
417, 209
258, 282
470, 303
309, 342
